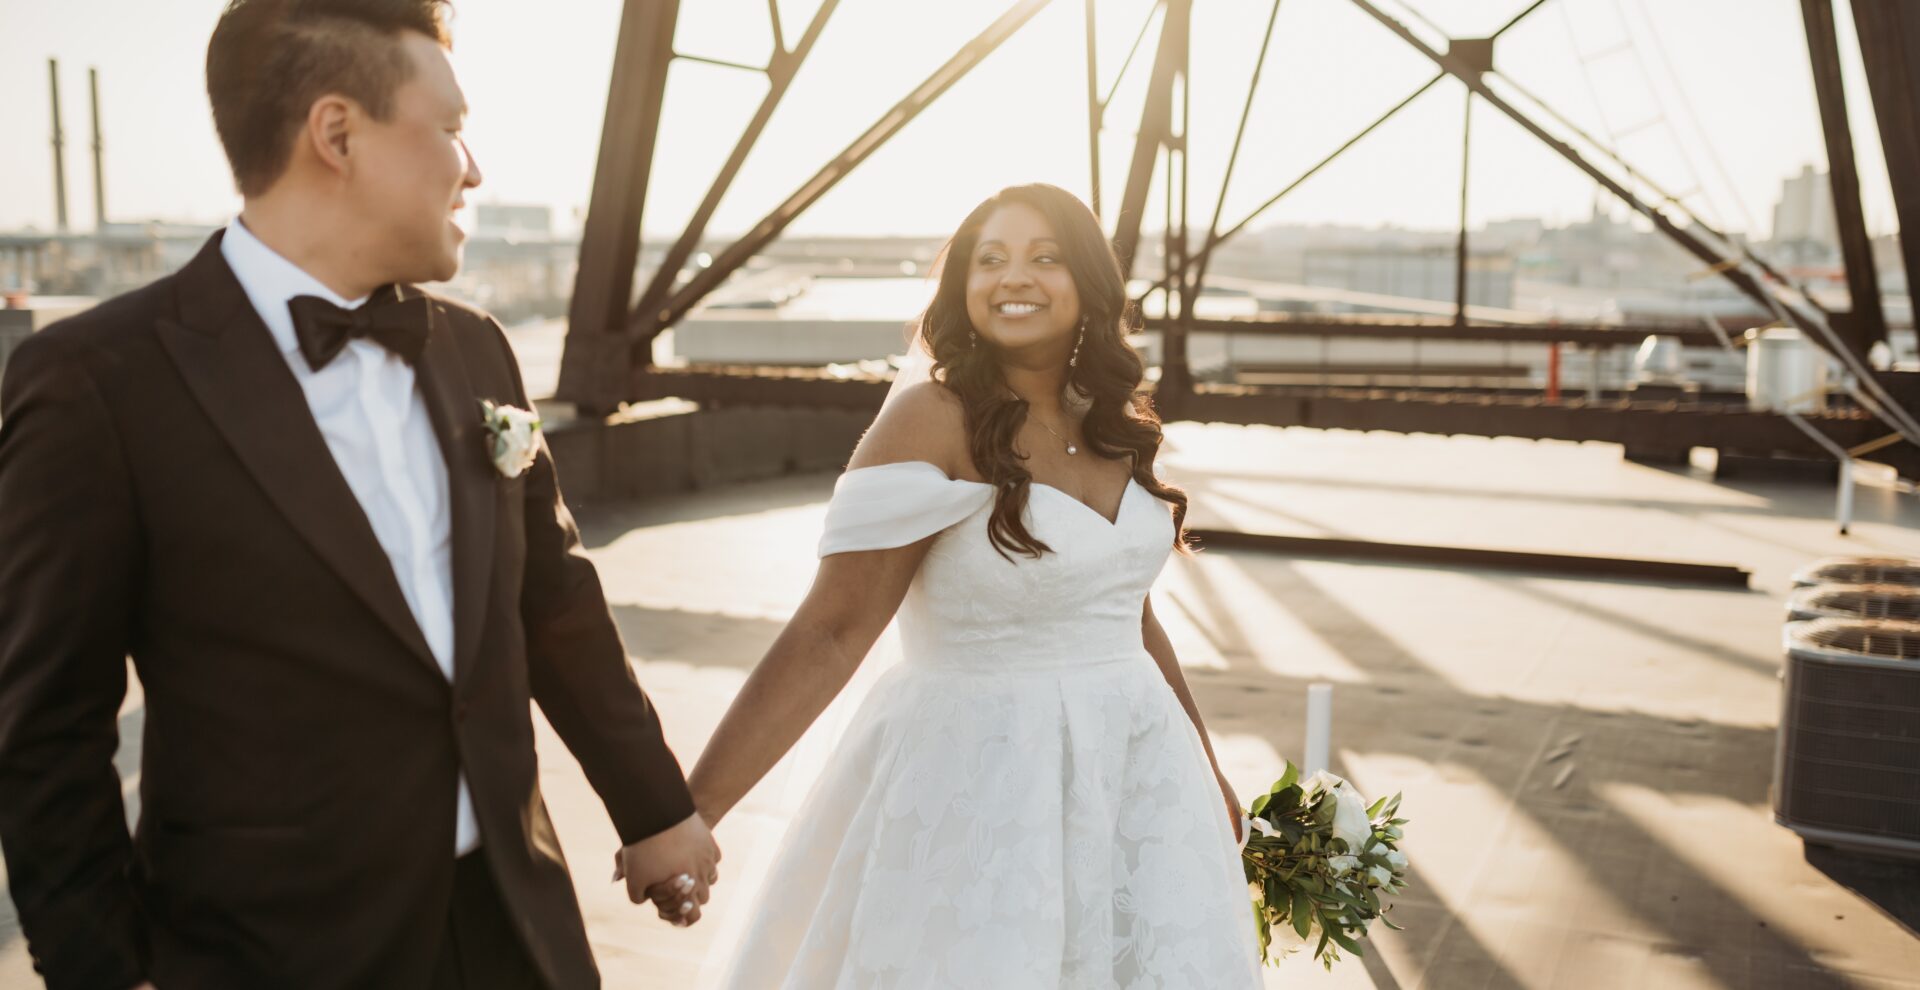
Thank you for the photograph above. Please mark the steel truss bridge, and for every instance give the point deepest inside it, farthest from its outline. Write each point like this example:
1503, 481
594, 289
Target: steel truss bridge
608, 355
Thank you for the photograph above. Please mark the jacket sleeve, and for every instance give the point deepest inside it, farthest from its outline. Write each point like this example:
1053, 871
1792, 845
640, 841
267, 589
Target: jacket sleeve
69, 553
578, 667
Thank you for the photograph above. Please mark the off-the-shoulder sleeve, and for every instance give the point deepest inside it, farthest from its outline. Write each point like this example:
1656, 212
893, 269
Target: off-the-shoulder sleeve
892, 505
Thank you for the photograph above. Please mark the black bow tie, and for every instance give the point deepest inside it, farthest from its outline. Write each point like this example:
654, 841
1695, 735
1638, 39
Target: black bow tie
392, 319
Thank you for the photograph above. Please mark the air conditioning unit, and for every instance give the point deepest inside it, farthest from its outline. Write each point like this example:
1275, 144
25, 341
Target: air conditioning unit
1847, 767
1855, 601
1859, 570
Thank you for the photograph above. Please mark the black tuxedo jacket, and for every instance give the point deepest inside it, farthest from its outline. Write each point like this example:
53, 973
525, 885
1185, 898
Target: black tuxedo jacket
166, 494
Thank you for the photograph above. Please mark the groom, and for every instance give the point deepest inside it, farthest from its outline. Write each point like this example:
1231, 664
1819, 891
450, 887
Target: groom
267, 478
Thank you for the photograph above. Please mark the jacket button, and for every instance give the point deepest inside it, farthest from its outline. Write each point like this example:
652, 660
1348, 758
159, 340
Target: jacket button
460, 712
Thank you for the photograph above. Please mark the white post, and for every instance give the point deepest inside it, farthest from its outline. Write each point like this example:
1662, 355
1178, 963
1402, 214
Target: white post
1845, 508
1319, 727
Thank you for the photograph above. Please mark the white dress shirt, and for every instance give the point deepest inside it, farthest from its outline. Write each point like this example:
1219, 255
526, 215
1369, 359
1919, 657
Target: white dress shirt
370, 411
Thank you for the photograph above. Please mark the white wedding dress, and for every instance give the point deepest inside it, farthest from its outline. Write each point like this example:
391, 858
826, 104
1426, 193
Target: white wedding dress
1021, 802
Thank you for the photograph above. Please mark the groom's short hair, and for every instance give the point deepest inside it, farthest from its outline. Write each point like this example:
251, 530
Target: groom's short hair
270, 59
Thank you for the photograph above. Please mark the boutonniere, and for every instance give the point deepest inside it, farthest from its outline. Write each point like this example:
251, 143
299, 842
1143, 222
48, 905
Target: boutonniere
513, 437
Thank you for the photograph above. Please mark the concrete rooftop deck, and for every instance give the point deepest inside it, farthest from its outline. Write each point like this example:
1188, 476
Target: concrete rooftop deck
1645, 856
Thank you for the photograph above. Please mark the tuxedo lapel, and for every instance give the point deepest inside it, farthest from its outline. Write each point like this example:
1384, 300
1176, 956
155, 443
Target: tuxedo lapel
229, 361
472, 483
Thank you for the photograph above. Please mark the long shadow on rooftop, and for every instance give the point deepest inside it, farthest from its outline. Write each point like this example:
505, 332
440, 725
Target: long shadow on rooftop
1504, 742
1892, 886
602, 521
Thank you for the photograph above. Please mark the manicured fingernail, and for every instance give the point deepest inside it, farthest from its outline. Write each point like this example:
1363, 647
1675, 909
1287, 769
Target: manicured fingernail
686, 906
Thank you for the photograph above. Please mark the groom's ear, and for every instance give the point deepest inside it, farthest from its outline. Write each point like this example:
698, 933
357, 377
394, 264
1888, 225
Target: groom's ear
329, 131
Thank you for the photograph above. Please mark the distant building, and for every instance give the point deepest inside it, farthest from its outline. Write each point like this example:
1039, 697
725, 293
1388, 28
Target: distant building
514, 222
1515, 234
1412, 273
1805, 210
1609, 255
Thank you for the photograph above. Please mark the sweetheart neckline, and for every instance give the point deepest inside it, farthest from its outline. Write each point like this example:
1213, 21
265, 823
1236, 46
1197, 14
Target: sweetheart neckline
1126, 490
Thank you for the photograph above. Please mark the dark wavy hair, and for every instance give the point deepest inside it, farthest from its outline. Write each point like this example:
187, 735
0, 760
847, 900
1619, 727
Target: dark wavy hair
1120, 422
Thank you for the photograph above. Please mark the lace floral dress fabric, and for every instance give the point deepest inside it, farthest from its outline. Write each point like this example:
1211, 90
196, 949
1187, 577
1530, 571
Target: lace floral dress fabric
1021, 802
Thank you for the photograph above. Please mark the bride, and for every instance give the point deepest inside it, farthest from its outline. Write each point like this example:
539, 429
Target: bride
1028, 799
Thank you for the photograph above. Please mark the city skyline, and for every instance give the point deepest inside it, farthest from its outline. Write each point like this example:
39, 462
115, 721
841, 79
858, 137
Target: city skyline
537, 84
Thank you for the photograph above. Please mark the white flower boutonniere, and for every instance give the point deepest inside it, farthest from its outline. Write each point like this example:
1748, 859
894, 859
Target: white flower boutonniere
513, 437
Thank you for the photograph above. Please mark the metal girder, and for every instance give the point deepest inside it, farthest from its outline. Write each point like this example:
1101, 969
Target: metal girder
1663, 424
1199, 264
1476, 53
1205, 254
1581, 565
649, 318
1467, 74
1866, 324
1096, 110
809, 387
1692, 333
1460, 247
1156, 128
594, 364
610, 343
1633, 423
1889, 33
886, 127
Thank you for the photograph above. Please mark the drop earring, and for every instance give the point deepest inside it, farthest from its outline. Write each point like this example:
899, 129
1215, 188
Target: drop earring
1073, 361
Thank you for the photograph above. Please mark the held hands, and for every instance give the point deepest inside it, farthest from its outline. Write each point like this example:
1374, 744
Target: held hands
673, 869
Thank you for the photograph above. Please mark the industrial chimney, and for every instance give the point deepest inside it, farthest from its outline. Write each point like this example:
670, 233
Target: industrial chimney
99, 171
59, 151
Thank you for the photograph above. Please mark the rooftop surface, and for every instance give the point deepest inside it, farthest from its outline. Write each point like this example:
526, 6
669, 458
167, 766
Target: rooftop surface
1585, 762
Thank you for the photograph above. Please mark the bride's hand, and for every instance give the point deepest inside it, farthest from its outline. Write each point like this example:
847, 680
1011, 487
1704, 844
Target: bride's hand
1234, 814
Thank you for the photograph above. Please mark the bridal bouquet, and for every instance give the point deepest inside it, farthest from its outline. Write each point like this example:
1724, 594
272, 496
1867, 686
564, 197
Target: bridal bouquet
1319, 859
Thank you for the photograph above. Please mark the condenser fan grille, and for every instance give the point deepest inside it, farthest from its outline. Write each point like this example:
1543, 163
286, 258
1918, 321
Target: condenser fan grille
1856, 601
1861, 570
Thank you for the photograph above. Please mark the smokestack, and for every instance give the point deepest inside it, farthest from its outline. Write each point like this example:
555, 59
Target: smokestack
99, 169
59, 151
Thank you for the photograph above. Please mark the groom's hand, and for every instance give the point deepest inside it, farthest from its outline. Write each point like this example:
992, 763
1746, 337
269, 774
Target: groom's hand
674, 869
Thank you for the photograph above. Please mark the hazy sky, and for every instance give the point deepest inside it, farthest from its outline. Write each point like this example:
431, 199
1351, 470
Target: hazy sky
536, 75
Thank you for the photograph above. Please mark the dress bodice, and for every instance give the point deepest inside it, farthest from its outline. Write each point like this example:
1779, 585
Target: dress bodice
970, 606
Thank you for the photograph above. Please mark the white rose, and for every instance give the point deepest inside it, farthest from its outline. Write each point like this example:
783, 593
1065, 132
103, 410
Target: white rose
1381, 875
1350, 809
1350, 818
1397, 861
1343, 865
1320, 781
